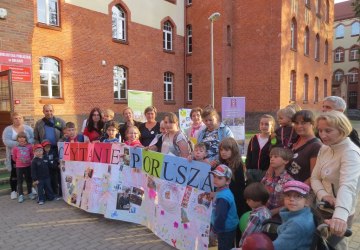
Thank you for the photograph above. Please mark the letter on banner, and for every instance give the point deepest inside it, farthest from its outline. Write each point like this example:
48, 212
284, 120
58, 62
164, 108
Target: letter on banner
66, 156
83, 151
74, 151
136, 157
102, 152
152, 163
61, 150
117, 151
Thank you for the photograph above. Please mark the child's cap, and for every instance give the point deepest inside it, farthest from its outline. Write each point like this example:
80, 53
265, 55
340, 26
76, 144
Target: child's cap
297, 186
37, 146
222, 170
45, 142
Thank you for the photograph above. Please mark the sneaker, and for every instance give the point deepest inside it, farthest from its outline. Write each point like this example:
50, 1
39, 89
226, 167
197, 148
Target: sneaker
57, 198
33, 191
13, 195
21, 199
32, 196
41, 203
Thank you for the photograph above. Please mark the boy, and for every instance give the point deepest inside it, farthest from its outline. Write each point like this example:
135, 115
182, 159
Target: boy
276, 177
108, 117
72, 136
40, 175
256, 196
199, 153
224, 218
51, 159
298, 227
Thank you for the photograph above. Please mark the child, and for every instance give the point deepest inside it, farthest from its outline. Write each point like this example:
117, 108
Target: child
199, 153
285, 134
229, 154
224, 218
257, 158
256, 197
22, 155
108, 117
51, 158
132, 135
276, 177
40, 175
112, 131
72, 136
298, 227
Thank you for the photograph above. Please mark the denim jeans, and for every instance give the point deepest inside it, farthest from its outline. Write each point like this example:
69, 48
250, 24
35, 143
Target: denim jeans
226, 240
45, 185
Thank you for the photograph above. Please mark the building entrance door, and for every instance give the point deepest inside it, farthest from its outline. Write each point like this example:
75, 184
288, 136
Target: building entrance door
6, 101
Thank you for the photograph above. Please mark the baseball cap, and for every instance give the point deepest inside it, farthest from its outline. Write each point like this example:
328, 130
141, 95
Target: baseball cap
45, 143
37, 146
222, 170
296, 186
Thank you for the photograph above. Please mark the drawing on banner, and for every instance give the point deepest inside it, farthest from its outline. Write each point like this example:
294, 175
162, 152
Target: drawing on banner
123, 199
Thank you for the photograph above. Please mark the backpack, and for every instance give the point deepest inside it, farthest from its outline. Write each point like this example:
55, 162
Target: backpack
190, 143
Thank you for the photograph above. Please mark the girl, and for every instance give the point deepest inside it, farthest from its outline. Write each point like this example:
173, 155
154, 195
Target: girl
285, 135
111, 131
229, 154
257, 158
22, 155
94, 125
132, 135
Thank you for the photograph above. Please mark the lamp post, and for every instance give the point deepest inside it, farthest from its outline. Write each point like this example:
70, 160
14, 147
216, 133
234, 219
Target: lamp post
214, 16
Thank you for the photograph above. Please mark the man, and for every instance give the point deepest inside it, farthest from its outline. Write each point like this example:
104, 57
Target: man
338, 104
50, 128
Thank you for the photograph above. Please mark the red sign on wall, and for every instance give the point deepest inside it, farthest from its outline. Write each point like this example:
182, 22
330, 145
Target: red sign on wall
19, 73
7, 57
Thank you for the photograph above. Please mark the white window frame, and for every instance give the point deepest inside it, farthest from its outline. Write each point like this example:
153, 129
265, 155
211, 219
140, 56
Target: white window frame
120, 82
168, 86
306, 88
326, 52
355, 29
50, 70
338, 76
45, 11
188, 2
293, 34
325, 88
189, 88
292, 85
167, 36
339, 31
189, 39
118, 23
353, 76
354, 54
339, 53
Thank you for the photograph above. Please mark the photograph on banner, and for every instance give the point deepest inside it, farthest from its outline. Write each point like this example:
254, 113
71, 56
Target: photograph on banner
184, 119
139, 101
233, 115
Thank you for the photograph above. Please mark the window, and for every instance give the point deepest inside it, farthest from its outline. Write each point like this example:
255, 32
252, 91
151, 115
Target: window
228, 35
325, 88
190, 89
48, 12
339, 55
118, 23
306, 88
327, 11
354, 53
339, 31
292, 86
316, 90
353, 75
50, 82
355, 29
120, 83
326, 52
317, 7
338, 75
167, 36
293, 29
317, 47
189, 39
306, 41
168, 86
188, 2
307, 3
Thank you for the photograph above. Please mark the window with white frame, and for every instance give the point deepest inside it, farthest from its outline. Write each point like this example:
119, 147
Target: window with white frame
325, 88
293, 31
48, 12
167, 36
354, 53
339, 31
355, 29
50, 82
120, 83
316, 90
339, 55
353, 75
168, 86
306, 88
317, 47
338, 75
189, 39
306, 41
118, 23
293, 85
189, 88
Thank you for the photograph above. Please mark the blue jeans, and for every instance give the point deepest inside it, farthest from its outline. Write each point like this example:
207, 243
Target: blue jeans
45, 185
226, 240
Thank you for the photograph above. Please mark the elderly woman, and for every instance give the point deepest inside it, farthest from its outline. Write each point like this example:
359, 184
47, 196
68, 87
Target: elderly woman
196, 124
9, 138
213, 134
128, 115
150, 128
94, 125
335, 178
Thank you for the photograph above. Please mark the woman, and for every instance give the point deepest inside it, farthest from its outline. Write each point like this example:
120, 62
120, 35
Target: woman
196, 125
335, 178
150, 128
212, 135
128, 115
9, 138
306, 148
94, 125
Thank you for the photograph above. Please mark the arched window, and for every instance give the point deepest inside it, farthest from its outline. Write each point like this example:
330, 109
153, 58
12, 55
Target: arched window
167, 36
338, 76
118, 23
339, 54
353, 75
326, 52
316, 90
317, 7
354, 53
339, 31
189, 38
327, 11
293, 85
355, 29
120, 83
189, 88
317, 47
306, 41
48, 12
306, 88
325, 88
293, 29
168, 86
50, 82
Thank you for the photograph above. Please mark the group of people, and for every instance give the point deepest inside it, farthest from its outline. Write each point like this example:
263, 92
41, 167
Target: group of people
307, 156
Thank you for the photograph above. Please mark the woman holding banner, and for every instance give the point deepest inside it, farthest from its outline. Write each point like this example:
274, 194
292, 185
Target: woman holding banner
150, 128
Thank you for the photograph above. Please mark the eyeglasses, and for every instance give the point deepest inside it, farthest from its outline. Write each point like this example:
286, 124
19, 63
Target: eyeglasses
293, 196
